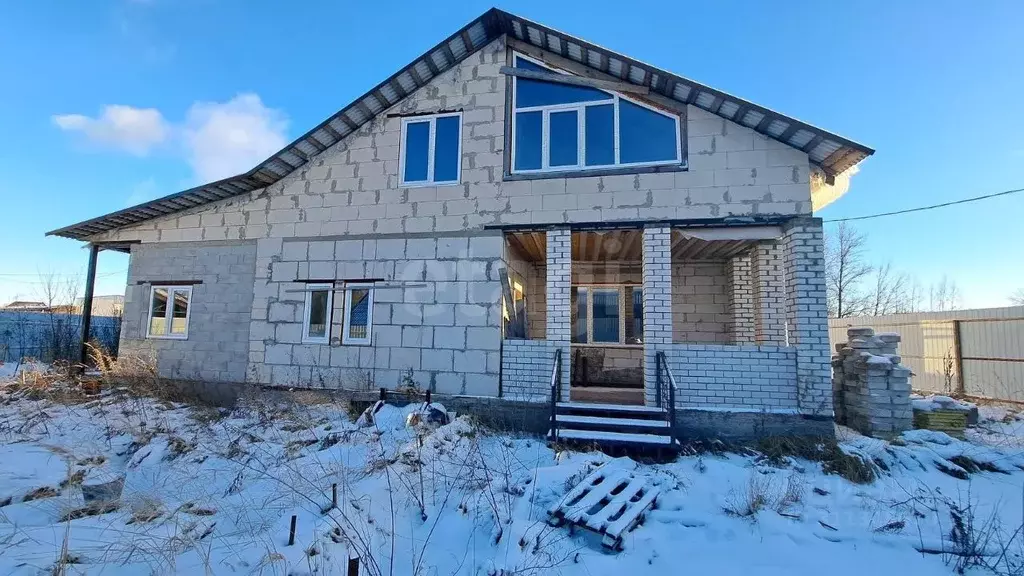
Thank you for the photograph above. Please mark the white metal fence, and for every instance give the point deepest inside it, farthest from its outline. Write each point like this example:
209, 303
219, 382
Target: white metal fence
976, 352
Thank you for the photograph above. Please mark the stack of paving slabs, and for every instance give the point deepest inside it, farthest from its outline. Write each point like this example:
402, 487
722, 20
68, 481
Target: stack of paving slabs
871, 389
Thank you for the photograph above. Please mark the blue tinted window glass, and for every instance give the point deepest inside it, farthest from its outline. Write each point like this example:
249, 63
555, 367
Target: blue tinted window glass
606, 315
564, 142
538, 93
645, 136
527, 65
528, 143
446, 149
417, 145
600, 136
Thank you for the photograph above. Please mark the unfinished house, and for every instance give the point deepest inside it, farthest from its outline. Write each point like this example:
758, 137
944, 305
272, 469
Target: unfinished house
519, 221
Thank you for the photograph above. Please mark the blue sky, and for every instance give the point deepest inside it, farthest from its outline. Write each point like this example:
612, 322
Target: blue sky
209, 87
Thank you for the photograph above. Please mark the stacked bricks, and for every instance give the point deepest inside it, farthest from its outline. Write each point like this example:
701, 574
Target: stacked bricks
657, 301
806, 313
559, 273
700, 302
741, 300
769, 287
526, 369
871, 389
723, 377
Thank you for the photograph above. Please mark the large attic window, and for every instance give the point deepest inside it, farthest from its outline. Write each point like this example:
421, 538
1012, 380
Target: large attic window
560, 127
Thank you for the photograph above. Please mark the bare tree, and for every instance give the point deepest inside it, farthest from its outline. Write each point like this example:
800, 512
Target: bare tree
60, 332
845, 270
892, 292
944, 296
915, 296
1017, 298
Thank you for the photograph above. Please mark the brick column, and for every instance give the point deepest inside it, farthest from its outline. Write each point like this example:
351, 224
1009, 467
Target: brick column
807, 315
769, 294
657, 281
741, 299
559, 274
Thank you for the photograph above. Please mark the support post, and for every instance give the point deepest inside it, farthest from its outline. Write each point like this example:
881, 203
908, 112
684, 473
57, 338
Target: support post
90, 284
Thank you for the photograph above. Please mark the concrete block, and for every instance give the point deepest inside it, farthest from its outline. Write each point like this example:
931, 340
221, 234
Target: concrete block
470, 361
453, 337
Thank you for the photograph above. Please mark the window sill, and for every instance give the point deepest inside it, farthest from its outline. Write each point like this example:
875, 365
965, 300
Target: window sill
360, 343
321, 342
166, 337
427, 184
618, 171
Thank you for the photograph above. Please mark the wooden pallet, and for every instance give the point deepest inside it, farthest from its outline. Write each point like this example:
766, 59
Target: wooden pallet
952, 422
609, 501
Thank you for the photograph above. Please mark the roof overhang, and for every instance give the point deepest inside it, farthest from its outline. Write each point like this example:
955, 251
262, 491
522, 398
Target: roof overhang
831, 152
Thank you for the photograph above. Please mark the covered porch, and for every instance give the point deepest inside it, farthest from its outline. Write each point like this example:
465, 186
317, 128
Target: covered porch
610, 298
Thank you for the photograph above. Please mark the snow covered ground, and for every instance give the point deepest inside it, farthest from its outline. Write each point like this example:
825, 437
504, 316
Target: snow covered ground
211, 491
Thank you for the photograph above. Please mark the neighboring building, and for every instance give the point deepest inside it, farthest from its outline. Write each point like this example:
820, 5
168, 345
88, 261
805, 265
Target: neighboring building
110, 305
512, 192
26, 306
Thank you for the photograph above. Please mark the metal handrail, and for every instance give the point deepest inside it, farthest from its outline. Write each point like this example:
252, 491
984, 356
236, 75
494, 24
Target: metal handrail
660, 362
556, 391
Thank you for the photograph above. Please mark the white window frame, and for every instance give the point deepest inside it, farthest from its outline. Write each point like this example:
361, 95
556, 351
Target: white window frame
347, 313
432, 120
306, 320
581, 120
620, 289
169, 313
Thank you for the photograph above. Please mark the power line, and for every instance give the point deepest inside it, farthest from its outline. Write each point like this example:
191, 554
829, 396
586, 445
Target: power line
933, 206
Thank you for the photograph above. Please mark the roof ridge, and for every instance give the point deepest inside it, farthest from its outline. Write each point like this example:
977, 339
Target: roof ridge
832, 152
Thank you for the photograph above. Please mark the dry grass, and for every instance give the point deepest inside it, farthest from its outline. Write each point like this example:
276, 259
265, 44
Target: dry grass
766, 491
777, 450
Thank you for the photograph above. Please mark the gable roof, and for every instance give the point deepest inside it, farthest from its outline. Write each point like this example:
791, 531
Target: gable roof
833, 153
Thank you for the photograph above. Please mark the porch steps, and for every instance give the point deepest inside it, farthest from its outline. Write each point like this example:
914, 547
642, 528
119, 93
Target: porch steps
612, 425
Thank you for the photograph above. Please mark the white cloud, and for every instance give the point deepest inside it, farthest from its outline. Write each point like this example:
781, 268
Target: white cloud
217, 139
224, 139
134, 130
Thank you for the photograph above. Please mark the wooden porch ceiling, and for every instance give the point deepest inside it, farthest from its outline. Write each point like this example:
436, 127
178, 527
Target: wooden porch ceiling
624, 246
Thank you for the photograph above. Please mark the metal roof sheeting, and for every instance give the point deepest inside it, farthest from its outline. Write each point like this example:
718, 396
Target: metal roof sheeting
833, 153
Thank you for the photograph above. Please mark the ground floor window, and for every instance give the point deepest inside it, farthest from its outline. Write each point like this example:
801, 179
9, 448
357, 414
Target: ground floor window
316, 326
169, 312
358, 314
607, 314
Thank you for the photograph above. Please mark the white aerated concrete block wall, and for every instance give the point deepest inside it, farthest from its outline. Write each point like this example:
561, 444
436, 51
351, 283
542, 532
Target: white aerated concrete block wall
351, 192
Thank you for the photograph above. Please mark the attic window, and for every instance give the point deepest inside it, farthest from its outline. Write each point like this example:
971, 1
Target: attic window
558, 127
431, 150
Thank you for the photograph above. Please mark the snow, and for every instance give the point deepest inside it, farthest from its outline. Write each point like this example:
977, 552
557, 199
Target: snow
624, 422
938, 402
610, 407
569, 434
210, 491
